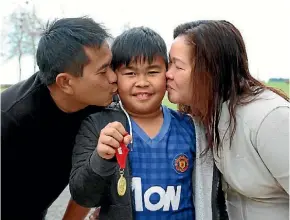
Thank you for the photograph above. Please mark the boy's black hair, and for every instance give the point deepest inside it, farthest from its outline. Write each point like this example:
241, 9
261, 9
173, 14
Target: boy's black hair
61, 47
138, 43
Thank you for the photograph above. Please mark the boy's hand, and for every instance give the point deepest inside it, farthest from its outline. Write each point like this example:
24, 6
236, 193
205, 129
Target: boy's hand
110, 138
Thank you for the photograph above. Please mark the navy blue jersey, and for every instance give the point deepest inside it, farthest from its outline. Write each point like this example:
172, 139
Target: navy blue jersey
162, 169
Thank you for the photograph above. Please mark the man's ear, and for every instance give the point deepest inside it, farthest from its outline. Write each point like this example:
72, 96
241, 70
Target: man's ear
63, 81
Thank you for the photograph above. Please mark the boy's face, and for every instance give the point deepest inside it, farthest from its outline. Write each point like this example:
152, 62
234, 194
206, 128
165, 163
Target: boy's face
142, 86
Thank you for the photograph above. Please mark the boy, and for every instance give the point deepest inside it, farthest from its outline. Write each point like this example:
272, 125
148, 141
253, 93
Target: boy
158, 171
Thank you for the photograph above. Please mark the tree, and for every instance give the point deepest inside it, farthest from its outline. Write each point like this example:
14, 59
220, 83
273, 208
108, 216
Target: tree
24, 32
33, 27
16, 39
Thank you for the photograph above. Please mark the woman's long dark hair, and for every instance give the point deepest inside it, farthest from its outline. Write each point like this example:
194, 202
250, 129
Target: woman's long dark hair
220, 74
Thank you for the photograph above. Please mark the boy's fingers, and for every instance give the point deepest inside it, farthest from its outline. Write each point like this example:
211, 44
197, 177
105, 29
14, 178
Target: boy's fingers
127, 139
105, 150
112, 132
119, 127
109, 141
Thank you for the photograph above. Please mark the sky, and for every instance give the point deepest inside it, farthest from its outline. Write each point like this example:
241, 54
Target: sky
264, 25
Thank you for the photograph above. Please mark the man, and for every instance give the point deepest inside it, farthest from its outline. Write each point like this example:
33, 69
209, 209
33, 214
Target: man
41, 115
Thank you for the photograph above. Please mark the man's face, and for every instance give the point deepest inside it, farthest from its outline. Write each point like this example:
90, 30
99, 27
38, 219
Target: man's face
142, 86
97, 85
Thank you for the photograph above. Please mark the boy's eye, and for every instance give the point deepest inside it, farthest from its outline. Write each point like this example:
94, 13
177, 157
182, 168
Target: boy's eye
153, 72
129, 73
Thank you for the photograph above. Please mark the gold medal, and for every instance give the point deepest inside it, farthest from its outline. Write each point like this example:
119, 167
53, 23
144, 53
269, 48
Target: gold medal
122, 185
121, 155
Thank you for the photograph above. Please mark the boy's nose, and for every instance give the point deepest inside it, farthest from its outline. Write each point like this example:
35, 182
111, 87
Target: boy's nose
142, 81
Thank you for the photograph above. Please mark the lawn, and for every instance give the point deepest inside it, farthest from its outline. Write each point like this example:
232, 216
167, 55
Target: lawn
280, 85
168, 103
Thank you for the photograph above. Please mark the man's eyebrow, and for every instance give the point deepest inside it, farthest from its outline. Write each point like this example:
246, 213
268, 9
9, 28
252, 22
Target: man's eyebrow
105, 65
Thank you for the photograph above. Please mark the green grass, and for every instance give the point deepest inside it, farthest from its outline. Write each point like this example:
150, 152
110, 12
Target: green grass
168, 103
280, 85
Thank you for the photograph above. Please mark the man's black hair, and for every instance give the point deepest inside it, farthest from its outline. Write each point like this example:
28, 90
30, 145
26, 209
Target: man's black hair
61, 47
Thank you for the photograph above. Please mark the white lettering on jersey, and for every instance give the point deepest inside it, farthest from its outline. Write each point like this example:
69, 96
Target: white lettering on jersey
170, 196
137, 188
149, 192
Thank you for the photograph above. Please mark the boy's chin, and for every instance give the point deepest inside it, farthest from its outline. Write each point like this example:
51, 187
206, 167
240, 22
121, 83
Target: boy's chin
145, 109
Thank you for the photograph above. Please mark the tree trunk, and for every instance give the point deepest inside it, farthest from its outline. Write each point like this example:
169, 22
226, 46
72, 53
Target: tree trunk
20, 54
34, 53
19, 66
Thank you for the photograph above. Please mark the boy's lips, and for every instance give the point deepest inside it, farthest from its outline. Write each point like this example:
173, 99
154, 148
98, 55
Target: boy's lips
142, 95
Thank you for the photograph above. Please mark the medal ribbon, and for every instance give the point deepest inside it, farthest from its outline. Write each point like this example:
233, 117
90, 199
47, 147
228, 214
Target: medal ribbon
121, 154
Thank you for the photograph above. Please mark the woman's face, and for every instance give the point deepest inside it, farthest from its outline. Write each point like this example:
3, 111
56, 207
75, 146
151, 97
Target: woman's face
179, 74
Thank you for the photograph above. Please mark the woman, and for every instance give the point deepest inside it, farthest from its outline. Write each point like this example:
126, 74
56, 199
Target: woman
246, 122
